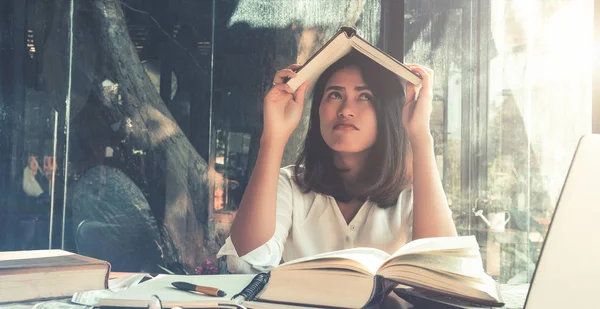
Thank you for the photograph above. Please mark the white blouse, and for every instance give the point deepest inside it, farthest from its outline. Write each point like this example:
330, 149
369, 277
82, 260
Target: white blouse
312, 223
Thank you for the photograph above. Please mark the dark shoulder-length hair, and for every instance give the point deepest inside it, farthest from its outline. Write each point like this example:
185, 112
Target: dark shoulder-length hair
387, 172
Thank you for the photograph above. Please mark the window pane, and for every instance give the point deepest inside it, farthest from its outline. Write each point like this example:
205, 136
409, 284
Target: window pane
513, 82
32, 126
161, 124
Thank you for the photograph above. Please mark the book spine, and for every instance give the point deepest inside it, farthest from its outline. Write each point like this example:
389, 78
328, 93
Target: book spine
106, 277
376, 294
349, 31
250, 292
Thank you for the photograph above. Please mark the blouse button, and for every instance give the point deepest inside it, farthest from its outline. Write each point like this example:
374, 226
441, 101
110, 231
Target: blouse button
352, 227
347, 238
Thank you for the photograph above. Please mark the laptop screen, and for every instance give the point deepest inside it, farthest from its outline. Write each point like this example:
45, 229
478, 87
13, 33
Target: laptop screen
568, 270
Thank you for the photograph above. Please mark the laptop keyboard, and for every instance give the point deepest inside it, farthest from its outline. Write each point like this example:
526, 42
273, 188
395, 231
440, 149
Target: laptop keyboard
514, 295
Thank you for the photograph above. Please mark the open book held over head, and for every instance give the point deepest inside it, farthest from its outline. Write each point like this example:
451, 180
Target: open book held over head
352, 278
342, 43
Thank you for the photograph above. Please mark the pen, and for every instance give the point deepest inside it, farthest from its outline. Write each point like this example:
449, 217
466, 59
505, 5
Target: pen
185, 286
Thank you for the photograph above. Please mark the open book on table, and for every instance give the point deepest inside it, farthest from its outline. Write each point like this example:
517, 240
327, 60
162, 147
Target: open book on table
353, 278
342, 43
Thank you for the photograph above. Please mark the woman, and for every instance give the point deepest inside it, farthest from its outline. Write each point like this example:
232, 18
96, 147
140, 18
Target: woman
352, 184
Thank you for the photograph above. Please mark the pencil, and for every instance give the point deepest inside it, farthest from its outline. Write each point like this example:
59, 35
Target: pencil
207, 290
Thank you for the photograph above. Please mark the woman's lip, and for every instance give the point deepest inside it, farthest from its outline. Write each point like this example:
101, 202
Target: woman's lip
344, 127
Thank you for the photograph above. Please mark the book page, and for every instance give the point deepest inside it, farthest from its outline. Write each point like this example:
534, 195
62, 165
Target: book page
466, 267
446, 264
458, 255
484, 288
437, 245
31, 254
360, 259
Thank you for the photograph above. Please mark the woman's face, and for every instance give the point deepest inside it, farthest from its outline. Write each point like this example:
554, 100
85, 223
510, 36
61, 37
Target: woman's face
347, 115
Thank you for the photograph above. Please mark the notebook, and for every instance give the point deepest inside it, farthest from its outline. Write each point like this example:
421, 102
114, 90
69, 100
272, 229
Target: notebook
139, 295
239, 289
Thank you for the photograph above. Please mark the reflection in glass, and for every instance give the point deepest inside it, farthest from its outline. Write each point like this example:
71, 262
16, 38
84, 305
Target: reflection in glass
31, 139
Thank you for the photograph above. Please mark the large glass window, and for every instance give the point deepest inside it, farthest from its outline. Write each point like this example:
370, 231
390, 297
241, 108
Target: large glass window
128, 129
513, 96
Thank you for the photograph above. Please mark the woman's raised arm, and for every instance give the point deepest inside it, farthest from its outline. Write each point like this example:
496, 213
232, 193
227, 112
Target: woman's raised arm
255, 220
431, 214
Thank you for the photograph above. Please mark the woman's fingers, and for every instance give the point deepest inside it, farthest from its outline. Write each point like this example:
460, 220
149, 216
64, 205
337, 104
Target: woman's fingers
294, 66
412, 91
282, 75
426, 74
426, 87
283, 88
300, 92
280, 94
287, 73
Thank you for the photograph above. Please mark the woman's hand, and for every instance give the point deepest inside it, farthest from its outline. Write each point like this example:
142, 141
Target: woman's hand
416, 114
282, 108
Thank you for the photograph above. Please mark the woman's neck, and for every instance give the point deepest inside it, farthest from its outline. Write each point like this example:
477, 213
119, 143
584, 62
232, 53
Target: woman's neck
351, 166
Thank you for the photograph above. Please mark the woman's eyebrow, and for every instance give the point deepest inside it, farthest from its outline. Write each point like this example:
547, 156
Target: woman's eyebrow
338, 88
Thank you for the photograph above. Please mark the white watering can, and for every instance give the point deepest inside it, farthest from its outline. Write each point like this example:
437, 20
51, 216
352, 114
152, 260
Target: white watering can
497, 220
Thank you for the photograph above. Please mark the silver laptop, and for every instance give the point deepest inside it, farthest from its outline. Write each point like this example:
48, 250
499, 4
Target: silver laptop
568, 269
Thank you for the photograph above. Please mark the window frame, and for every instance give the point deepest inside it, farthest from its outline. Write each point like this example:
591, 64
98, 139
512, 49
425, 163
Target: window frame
596, 73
